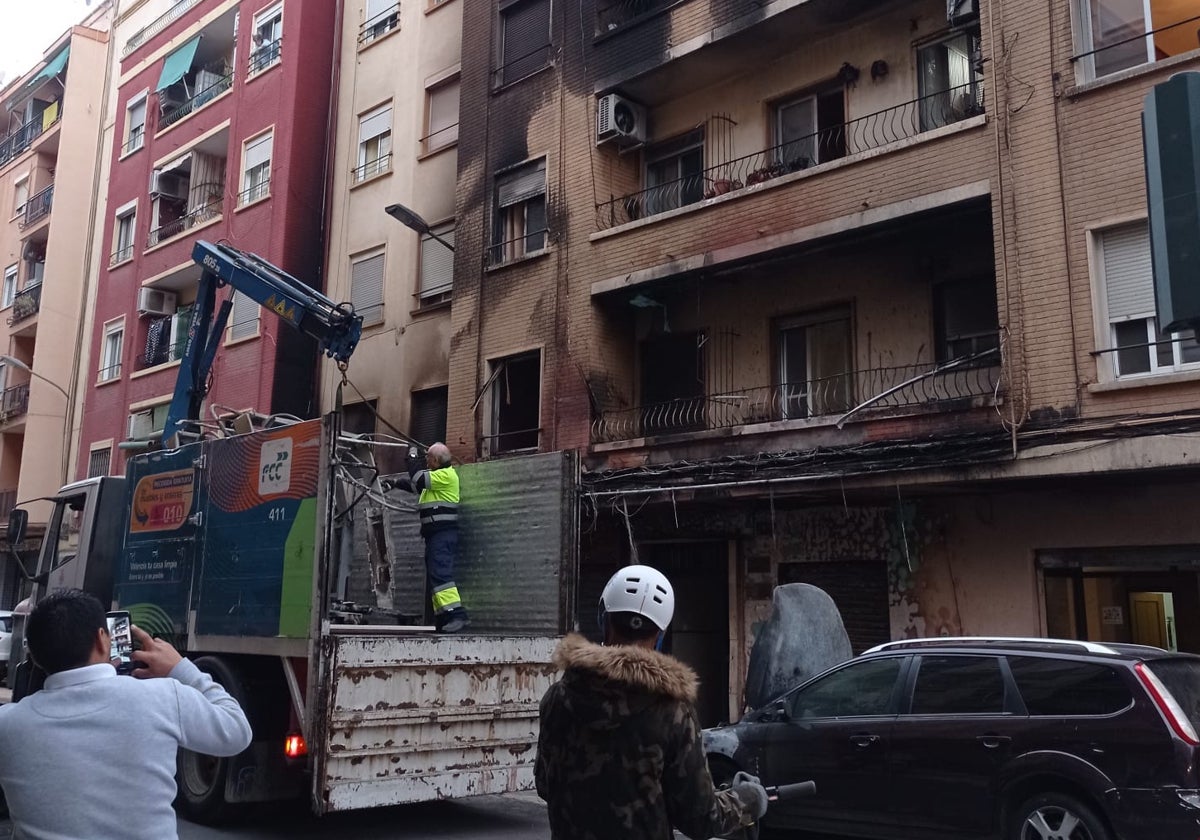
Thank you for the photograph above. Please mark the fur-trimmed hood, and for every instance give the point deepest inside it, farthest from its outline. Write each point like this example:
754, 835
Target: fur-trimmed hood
644, 671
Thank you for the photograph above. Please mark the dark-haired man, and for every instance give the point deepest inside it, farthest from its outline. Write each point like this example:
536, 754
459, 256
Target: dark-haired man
619, 754
92, 755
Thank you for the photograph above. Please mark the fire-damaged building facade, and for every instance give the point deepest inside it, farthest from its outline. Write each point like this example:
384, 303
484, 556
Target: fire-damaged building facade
855, 293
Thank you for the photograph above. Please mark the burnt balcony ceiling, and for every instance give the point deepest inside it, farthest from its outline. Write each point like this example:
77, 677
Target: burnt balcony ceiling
775, 30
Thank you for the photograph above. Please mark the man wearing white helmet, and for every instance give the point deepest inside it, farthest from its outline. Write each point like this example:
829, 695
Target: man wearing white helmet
619, 752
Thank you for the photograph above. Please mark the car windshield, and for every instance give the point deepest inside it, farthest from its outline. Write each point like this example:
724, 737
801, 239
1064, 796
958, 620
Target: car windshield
1182, 678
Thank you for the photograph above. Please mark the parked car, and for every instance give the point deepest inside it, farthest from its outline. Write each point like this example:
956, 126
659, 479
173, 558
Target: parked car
1020, 739
6, 626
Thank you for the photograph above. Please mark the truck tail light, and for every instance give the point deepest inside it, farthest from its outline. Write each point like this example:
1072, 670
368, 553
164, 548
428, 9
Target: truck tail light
1166, 704
294, 746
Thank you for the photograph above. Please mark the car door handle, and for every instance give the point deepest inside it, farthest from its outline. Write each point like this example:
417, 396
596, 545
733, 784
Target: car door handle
864, 740
993, 741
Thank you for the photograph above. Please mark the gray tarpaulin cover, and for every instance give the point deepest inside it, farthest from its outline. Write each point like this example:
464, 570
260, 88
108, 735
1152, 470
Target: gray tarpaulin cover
803, 637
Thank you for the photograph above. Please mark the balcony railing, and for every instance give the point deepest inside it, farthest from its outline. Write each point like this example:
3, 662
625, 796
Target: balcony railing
533, 242
137, 137
121, 255
198, 216
372, 168
22, 138
157, 25
37, 207
202, 97
907, 386
263, 57
873, 131
1134, 49
26, 304
14, 402
380, 25
254, 193
615, 14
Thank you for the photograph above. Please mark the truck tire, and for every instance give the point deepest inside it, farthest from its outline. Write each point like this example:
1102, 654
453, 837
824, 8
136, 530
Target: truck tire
201, 778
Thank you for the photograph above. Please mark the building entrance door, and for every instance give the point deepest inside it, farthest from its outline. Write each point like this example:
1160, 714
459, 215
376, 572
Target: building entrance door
1152, 618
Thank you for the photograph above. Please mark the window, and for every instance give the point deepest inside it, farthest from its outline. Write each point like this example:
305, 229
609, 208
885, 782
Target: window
673, 366
256, 168
958, 685
20, 196
10, 287
441, 109
524, 39
427, 418
950, 81
1114, 33
1060, 687
1128, 284
965, 322
148, 423
380, 18
267, 35
374, 143
243, 318
520, 213
366, 288
360, 418
859, 690
99, 462
816, 367
675, 173
810, 130
123, 236
516, 384
437, 266
111, 348
135, 124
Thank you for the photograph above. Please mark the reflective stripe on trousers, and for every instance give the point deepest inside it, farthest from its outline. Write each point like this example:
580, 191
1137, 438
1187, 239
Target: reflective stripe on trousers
446, 598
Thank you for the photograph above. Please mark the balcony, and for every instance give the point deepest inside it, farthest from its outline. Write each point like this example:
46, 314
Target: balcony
211, 81
371, 168
253, 193
14, 402
614, 14
264, 56
959, 383
26, 304
157, 25
22, 137
840, 140
37, 207
380, 25
199, 216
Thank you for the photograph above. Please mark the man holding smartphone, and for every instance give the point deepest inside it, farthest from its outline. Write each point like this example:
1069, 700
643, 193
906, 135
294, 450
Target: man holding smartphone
90, 738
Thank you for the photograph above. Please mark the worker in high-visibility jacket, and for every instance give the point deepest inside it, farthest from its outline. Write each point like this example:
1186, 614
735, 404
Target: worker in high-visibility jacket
436, 484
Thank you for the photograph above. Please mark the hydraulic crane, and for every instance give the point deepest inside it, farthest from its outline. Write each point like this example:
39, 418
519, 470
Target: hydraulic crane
334, 326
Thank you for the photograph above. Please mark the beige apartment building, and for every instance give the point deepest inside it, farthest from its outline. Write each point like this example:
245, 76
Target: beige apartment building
395, 142
49, 145
848, 293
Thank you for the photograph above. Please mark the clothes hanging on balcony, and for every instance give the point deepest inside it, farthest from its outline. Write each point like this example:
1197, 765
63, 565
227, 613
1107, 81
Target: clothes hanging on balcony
155, 339
207, 182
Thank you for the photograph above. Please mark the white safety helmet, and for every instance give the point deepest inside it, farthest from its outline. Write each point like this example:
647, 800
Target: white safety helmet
641, 590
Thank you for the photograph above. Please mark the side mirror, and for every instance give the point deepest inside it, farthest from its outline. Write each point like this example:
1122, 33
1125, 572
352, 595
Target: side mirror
18, 521
777, 712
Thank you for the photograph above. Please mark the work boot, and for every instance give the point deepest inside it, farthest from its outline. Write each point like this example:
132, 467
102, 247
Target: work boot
455, 623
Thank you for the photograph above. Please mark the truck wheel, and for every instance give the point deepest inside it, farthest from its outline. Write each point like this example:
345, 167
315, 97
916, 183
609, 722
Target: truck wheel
1050, 816
201, 778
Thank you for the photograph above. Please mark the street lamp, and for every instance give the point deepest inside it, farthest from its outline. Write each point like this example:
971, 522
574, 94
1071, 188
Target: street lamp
19, 365
411, 219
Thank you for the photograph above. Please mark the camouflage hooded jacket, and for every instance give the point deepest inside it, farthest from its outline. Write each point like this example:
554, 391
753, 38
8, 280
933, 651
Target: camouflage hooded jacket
619, 755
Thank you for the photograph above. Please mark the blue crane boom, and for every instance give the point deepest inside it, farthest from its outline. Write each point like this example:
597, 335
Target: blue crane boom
335, 326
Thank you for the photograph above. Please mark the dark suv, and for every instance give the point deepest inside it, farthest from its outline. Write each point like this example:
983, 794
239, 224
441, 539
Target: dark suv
1020, 739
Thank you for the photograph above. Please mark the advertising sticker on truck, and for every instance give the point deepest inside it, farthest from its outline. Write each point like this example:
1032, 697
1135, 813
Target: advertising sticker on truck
162, 502
275, 467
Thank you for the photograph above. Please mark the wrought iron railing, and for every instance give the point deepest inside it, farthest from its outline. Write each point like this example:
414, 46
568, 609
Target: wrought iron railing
26, 304
37, 207
873, 131
22, 138
137, 137
121, 255
201, 98
907, 386
371, 168
614, 15
380, 25
157, 25
513, 249
108, 374
254, 193
14, 401
264, 56
440, 139
198, 216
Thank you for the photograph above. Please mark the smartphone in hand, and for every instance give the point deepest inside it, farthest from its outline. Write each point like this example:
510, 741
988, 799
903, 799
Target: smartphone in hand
120, 631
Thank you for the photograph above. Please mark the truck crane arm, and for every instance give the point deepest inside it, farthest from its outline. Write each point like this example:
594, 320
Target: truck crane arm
335, 326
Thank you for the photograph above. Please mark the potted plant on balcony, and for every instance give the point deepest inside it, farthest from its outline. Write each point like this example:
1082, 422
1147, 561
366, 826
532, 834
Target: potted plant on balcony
764, 173
720, 186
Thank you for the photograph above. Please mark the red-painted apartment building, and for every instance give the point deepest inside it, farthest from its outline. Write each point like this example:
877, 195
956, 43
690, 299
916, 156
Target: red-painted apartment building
220, 133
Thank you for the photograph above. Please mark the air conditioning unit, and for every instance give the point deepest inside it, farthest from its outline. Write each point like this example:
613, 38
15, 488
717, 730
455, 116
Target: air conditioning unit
156, 302
167, 185
959, 12
621, 120
141, 425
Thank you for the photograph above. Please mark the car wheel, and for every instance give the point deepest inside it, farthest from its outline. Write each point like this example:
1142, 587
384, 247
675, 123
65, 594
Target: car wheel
1057, 816
201, 778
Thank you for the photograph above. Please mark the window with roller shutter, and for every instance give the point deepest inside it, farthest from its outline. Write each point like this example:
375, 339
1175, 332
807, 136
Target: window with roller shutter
243, 318
366, 288
965, 322
520, 212
442, 115
524, 39
1126, 278
374, 143
427, 419
256, 168
437, 266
